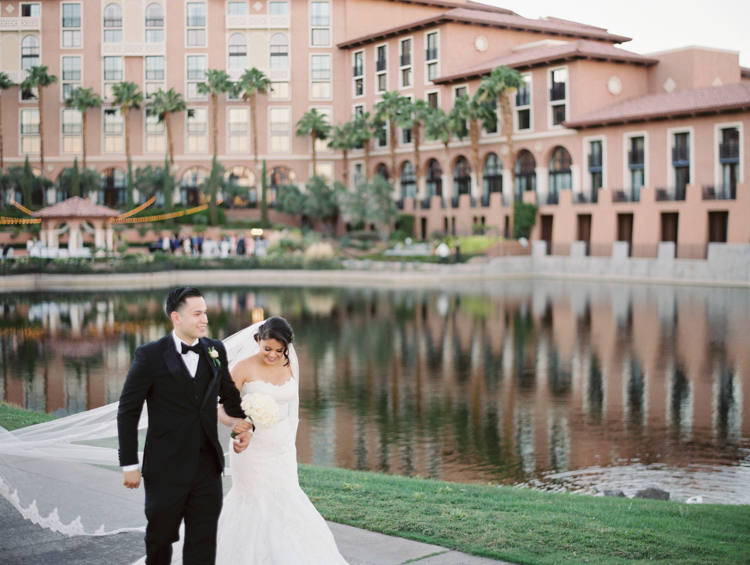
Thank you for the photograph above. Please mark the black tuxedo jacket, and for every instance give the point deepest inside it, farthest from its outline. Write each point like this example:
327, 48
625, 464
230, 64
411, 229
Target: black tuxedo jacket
175, 417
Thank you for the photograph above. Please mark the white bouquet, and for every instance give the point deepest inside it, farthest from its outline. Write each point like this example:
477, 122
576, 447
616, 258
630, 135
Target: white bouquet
261, 409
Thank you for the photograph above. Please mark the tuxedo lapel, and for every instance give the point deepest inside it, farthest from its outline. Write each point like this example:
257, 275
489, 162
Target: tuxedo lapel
177, 368
214, 369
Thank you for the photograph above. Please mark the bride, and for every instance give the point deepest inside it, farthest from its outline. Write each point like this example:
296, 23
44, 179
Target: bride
267, 519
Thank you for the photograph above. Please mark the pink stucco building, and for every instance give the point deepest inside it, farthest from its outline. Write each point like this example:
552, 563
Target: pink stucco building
612, 145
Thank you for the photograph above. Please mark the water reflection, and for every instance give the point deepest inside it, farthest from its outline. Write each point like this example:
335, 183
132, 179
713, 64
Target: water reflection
554, 385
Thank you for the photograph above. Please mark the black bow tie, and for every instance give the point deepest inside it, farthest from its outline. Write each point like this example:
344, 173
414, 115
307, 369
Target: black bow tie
197, 348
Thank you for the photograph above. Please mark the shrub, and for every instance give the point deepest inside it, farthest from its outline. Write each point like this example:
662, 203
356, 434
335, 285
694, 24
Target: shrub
524, 218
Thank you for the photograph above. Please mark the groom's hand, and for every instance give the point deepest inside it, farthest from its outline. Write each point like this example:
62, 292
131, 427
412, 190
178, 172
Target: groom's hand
241, 425
132, 479
241, 442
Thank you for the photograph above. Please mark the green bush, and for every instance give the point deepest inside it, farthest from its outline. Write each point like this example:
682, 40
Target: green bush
524, 218
405, 224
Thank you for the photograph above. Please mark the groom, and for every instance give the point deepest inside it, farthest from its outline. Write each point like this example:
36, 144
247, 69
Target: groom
180, 377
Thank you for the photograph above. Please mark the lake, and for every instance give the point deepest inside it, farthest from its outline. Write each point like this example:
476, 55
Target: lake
546, 384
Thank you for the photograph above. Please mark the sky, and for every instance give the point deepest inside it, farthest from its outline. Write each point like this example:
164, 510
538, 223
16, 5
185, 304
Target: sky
654, 25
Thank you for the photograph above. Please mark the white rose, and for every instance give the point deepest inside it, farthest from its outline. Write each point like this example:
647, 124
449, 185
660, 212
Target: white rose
213, 353
261, 408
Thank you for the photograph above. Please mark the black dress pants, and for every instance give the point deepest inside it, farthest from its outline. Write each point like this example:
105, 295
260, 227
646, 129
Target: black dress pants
199, 503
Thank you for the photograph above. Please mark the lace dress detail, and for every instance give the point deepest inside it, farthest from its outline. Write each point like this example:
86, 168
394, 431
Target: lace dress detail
267, 519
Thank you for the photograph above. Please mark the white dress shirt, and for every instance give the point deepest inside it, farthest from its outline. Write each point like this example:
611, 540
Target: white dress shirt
190, 359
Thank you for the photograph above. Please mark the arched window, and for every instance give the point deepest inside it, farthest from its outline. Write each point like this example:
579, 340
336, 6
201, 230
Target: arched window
154, 23
525, 171
29, 52
238, 51
113, 23
279, 51
245, 178
462, 176
382, 170
408, 181
191, 183
113, 187
434, 176
560, 177
280, 176
493, 174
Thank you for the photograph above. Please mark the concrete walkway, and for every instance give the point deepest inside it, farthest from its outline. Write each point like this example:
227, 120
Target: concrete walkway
22, 542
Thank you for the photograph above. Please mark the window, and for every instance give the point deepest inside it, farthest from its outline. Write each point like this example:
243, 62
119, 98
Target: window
681, 163
113, 129
431, 56
238, 125
154, 74
596, 160
29, 52
30, 140
493, 174
460, 91
113, 24
71, 75
433, 100
462, 176
71, 24
238, 51
196, 73
196, 24
112, 74
636, 166
490, 125
236, 8
279, 91
558, 95
154, 23
321, 145
278, 8
729, 158
190, 185
196, 130
523, 105
155, 135
560, 177
434, 177
359, 72
359, 111
381, 66
381, 134
405, 63
279, 51
525, 173
320, 75
320, 24
30, 10
280, 129
408, 181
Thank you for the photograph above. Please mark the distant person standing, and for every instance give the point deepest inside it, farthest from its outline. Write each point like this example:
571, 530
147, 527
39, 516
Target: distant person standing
241, 245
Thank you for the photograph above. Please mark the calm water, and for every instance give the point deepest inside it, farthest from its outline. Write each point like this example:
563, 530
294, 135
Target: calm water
547, 384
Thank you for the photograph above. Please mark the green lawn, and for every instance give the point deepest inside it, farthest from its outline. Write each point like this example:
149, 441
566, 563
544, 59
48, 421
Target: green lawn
517, 525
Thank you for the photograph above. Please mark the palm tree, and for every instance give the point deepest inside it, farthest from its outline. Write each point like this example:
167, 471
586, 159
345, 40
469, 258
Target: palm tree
217, 82
313, 124
163, 105
364, 130
499, 86
252, 83
128, 97
39, 78
475, 113
414, 117
5, 84
344, 138
82, 99
439, 126
390, 109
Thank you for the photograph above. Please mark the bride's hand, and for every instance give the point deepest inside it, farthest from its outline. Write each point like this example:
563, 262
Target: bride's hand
241, 442
241, 426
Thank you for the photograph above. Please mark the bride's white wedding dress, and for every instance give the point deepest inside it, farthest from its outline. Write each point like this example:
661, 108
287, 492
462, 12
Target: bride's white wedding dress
267, 519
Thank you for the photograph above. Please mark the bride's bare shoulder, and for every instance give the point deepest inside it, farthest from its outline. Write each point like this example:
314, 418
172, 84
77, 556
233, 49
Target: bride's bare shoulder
243, 370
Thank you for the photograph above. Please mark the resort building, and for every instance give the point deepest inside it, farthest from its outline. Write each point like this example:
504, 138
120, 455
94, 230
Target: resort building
611, 145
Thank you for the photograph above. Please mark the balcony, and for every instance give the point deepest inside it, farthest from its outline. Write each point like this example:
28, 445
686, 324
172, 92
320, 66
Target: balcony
557, 92
595, 163
635, 157
587, 197
719, 192
400, 204
626, 195
670, 194
547, 199
139, 49
523, 98
431, 54
454, 201
405, 60
680, 155
729, 152
380, 65
424, 204
358, 71
257, 21
20, 24
485, 201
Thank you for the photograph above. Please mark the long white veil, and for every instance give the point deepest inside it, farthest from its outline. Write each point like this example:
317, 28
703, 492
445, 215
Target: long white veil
59, 474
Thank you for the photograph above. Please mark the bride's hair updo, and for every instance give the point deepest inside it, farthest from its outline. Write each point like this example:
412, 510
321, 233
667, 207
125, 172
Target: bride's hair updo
279, 329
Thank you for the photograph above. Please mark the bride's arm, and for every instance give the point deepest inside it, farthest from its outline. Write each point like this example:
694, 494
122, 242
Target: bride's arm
238, 425
294, 404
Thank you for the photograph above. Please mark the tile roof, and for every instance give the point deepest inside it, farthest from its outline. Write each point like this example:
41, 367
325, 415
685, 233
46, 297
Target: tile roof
526, 58
75, 207
448, 4
720, 99
464, 15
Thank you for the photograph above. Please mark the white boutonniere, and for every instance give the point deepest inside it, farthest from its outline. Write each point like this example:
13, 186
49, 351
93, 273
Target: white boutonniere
214, 355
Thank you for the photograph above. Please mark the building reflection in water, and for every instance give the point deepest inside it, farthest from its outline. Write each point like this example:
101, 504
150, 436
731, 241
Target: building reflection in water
504, 382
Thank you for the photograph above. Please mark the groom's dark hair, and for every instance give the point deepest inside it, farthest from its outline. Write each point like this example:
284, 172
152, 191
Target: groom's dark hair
178, 297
